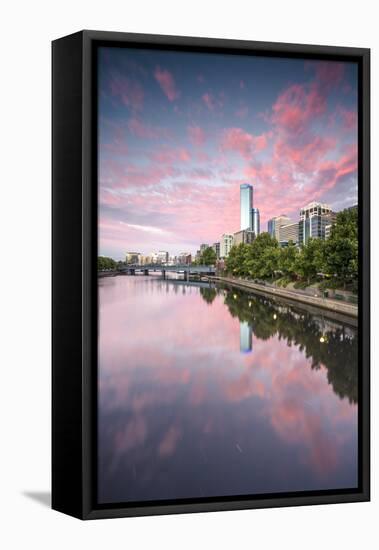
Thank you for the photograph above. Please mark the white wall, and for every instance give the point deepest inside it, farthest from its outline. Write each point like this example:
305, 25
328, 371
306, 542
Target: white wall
26, 31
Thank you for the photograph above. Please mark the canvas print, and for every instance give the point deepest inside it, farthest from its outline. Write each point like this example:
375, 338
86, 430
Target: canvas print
227, 275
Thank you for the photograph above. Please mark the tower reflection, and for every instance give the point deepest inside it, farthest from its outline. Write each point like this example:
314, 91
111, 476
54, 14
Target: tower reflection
246, 337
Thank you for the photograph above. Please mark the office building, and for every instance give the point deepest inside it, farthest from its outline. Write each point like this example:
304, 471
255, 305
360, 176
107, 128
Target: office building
246, 204
255, 221
144, 260
203, 247
226, 244
328, 230
216, 248
162, 257
289, 232
274, 225
132, 258
245, 236
313, 219
184, 258
154, 257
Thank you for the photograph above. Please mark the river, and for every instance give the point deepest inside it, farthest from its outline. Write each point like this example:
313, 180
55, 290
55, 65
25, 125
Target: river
209, 391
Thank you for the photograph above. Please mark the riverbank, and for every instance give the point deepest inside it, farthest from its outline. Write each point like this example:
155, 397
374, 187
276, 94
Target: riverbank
324, 303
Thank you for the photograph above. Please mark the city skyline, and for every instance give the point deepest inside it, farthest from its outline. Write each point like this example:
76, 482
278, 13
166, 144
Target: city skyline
177, 141
287, 223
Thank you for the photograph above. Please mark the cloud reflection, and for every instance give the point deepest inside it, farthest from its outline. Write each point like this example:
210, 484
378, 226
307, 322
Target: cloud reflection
175, 387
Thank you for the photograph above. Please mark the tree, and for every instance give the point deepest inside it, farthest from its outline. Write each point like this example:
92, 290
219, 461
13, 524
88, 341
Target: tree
236, 262
309, 261
287, 260
208, 256
262, 259
104, 263
341, 249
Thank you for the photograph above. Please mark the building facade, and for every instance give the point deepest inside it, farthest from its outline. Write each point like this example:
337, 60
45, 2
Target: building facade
162, 257
255, 221
216, 248
289, 232
245, 236
184, 258
132, 258
313, 219
226, 243
246, 204
274, 225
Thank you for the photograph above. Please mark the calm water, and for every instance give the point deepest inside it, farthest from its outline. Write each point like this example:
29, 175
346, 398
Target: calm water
205, 391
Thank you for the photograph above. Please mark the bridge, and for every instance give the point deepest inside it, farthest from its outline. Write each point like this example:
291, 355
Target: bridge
186, 270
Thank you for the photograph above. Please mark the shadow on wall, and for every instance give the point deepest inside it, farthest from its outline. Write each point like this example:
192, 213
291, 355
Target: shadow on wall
43, 498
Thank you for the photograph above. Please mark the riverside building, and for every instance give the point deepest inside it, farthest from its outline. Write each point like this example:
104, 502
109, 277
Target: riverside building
274, 225
226, 243
249, 216
245, 236
289, 232
313, 220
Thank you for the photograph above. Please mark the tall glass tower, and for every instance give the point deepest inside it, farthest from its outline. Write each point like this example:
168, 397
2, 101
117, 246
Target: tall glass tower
246, 204
255, 221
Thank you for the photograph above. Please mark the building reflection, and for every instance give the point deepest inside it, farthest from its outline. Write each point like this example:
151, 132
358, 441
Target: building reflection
246, 337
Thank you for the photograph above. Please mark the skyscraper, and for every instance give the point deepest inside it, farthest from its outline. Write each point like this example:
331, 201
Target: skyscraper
249, 215
246, 205
255, 221
313, 219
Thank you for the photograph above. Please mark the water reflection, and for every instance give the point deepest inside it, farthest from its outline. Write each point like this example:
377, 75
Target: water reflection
246, 337
325, 342
183, 413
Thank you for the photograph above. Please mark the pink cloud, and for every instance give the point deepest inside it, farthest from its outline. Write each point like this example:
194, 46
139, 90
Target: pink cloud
328, 73
304, 156
349, 118
236, 139
297, 106
168, 155
117, 146
196, 135
209, 101
167, 83
298, 158
129, 91
142, 130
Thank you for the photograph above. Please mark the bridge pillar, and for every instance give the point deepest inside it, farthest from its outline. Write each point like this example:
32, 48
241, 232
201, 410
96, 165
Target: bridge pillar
163, 273
186, 275
132, 272
146, 272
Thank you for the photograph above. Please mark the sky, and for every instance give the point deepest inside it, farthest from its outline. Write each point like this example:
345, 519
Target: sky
180, 131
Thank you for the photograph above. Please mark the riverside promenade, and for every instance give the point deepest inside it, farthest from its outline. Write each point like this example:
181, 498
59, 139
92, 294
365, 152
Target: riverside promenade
325, 303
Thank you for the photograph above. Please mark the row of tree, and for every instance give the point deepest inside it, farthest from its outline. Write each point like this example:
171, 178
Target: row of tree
106, 264
207, 257
335, 259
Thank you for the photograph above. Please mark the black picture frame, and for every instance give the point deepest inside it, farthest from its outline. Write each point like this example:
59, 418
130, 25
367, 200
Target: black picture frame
74, 291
